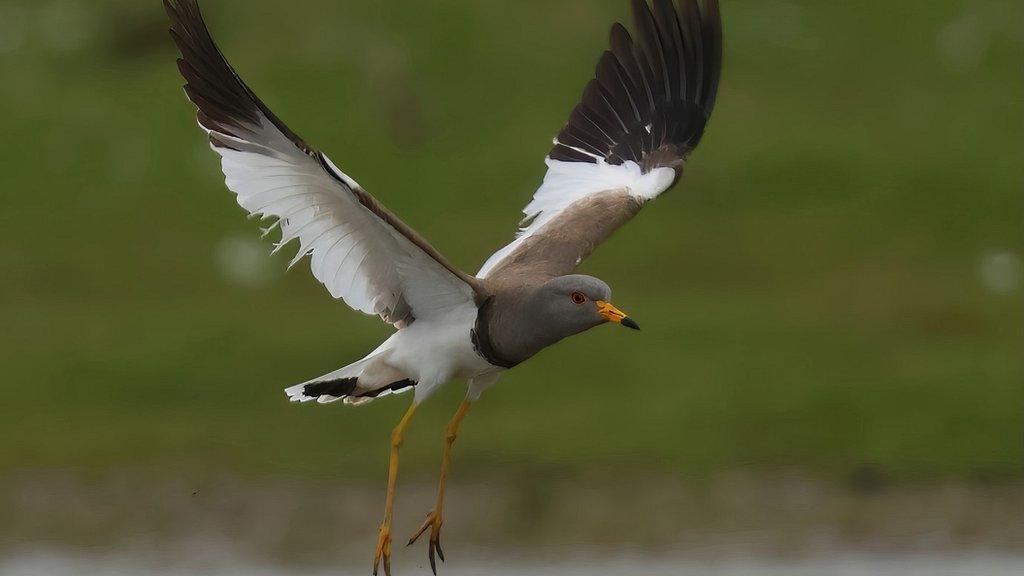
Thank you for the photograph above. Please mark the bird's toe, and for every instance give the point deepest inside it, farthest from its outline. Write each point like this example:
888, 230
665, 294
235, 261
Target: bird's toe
432, 523
383, 552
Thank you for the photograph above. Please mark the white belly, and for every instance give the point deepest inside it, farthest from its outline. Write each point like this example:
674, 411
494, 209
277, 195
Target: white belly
434, 352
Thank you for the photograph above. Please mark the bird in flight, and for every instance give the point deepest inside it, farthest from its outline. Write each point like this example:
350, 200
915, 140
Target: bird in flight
624, 144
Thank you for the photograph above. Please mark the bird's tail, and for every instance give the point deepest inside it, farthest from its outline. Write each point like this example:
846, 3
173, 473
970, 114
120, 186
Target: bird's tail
357, 383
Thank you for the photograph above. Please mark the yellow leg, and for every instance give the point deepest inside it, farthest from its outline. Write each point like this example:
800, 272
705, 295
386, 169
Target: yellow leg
384, 534
436, 517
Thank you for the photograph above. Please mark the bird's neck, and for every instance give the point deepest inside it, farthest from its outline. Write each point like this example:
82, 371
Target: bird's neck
514, 328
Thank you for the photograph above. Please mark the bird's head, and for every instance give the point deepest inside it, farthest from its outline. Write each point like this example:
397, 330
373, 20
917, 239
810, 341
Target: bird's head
557, 309
571, 304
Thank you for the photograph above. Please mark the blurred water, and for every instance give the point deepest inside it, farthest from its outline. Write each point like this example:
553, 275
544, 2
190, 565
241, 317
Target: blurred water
43, 563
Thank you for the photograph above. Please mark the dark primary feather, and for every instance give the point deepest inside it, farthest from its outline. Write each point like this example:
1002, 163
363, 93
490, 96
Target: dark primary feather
651, 97
223, 99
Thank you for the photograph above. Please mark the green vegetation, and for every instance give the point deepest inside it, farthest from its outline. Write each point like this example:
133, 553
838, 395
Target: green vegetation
809, 294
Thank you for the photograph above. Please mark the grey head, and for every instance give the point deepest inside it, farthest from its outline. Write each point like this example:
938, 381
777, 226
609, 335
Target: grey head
559, 308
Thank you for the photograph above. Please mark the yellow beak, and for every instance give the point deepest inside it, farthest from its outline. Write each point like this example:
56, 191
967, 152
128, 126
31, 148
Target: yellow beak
613, 314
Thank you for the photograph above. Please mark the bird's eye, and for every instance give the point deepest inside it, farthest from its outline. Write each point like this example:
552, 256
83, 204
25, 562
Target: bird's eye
578, 298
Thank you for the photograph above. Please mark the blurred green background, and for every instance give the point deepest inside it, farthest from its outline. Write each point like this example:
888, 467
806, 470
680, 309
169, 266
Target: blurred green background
835, 286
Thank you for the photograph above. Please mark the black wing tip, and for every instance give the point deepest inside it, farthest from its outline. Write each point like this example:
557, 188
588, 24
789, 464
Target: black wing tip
657, 92
618, 30
185, 14
211, 82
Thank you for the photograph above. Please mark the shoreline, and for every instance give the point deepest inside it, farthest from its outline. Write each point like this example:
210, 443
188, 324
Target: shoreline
320, 523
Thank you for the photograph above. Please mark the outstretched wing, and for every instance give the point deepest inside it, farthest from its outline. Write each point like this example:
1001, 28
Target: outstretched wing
359, 250
626, 141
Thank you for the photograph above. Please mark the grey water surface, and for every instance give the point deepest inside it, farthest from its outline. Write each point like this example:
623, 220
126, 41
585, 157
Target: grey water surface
61, 563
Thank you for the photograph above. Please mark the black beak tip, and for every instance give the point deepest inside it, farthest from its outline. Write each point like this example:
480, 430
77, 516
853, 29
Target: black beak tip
629, 323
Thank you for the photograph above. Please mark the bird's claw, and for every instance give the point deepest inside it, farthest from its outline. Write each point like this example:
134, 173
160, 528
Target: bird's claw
383, 550
433, 522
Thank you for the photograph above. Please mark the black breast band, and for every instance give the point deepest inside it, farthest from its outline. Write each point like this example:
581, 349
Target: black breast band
481, 337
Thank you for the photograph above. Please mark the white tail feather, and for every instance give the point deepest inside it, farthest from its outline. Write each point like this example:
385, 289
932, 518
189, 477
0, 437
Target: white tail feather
372, 373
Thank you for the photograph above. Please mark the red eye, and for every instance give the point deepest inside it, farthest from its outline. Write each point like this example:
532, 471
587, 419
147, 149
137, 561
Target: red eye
578, 298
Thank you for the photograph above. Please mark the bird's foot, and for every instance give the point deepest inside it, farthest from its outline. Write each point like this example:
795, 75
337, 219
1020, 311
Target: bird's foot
383, 550
433, 522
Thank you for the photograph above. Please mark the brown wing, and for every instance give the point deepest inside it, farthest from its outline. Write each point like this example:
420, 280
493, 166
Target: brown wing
558, 246
625, 142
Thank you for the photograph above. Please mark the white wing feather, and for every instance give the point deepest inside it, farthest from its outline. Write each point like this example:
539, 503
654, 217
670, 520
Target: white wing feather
362, 253
359, 258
